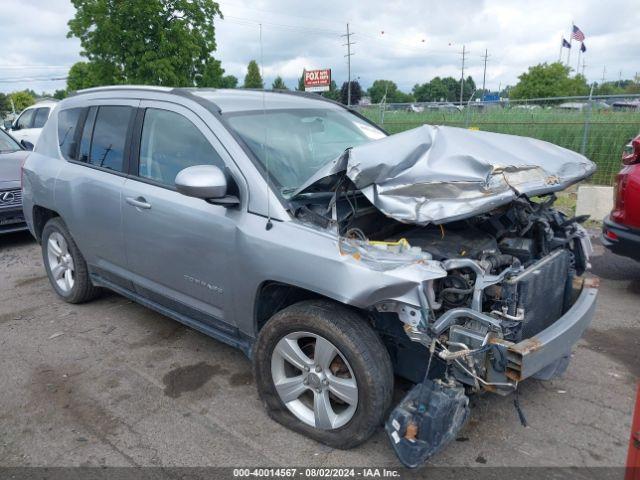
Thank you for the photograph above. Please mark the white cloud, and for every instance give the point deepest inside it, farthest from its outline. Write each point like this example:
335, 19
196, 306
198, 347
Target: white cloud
307, 34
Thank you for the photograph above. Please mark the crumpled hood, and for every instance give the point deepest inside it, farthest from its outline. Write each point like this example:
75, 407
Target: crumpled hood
435, 174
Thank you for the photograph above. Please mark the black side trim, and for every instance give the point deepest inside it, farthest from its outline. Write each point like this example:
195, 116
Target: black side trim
239, 341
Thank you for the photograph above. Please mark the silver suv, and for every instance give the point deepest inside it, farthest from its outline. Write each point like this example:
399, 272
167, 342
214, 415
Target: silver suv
332, 254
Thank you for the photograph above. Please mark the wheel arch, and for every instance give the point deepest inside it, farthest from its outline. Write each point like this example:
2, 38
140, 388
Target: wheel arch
41, 216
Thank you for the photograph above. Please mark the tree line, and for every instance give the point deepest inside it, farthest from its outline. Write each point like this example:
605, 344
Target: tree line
172, 42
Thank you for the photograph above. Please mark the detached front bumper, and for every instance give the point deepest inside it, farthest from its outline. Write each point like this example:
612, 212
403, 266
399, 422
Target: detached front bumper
532, 355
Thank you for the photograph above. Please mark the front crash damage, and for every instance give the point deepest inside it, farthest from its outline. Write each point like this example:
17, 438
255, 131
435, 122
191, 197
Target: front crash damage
505, 291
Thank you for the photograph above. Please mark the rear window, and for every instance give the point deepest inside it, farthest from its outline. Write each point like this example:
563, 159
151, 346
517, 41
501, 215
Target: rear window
41, 117
67, 128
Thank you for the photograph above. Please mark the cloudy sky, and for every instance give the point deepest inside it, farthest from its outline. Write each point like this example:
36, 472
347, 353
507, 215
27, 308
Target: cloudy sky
408, 41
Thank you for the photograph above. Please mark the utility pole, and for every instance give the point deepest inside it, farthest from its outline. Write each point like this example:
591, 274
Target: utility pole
484, 73
348, 55
604, 70
464, 52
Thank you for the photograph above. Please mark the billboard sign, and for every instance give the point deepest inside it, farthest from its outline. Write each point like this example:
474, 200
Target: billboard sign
317, 80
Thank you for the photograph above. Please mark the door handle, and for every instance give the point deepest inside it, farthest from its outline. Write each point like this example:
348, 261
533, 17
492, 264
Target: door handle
139, 202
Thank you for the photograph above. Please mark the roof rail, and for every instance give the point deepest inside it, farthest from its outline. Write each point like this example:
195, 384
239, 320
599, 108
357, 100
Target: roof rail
107, 88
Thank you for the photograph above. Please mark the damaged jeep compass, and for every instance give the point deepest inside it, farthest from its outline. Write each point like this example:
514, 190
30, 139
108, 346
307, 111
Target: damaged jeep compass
335, 256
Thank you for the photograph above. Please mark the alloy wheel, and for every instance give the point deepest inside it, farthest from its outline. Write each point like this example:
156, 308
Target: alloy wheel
314, 380
60, 262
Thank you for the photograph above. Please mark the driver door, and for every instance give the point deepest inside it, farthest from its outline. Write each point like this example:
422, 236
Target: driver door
179, 249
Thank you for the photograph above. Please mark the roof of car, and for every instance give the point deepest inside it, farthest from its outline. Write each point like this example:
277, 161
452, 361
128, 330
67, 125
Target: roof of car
42, 103
235, 100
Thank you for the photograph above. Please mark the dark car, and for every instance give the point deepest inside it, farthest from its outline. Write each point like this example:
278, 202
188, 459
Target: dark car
12, 156
621, 228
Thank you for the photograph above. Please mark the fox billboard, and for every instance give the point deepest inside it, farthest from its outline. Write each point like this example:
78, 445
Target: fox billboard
317, 80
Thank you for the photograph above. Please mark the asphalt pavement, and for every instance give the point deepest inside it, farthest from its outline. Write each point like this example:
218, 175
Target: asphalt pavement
112, 383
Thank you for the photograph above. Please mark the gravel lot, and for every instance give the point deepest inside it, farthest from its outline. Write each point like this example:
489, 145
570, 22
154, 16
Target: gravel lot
113, 383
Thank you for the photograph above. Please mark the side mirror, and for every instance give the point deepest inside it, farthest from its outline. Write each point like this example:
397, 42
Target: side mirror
7, 124
204, 181
26, 144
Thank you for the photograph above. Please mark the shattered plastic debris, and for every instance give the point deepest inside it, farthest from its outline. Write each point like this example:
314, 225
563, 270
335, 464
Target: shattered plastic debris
382, 256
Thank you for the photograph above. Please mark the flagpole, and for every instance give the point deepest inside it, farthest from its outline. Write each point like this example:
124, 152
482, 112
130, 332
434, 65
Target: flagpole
561, 45
570, 42
578, 66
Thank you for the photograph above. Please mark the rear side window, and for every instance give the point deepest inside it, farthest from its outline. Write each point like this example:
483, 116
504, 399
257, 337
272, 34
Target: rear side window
87, 131
67, 128
104, 136
24, 121
41, 117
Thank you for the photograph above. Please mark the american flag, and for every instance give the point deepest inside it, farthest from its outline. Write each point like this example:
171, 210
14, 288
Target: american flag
577, 34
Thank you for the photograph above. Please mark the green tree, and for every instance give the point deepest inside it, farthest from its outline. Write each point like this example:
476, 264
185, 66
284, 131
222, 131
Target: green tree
548, 80
229, 81
468, 89
356, 92
380, 88
60, 94
22, 100
158, 42
5, 105
253, 79
92, 74
333, 93
278, 84
211, 76
300, 86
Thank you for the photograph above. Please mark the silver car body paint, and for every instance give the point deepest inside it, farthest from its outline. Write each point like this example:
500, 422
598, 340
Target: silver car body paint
156, 252
436, 174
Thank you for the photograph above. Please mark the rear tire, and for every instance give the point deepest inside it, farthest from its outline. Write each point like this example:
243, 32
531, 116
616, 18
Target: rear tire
360, 363
66, 268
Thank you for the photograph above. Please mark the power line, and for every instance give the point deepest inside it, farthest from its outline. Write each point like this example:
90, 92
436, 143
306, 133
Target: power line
464, 52
348, 55
484, 72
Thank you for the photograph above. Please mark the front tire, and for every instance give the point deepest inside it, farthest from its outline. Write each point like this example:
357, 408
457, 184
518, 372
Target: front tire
65, 265
321, 370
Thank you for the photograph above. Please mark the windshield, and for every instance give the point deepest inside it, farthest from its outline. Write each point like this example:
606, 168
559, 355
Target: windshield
7, 144
296, 143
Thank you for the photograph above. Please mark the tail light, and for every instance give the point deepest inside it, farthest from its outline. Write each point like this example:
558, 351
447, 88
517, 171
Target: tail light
631, 152
619, 195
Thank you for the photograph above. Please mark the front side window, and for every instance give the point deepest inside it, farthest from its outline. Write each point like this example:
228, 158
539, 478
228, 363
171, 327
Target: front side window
170, 143
109, 137
67, 126
41, 117
295, 143
24, 121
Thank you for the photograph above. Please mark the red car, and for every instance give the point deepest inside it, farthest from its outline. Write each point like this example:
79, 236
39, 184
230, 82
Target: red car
621, 228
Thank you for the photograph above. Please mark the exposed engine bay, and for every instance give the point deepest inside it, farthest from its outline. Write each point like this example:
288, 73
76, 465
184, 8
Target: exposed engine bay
485, 280
507, 275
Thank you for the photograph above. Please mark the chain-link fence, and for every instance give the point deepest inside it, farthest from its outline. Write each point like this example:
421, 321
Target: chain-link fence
598, 127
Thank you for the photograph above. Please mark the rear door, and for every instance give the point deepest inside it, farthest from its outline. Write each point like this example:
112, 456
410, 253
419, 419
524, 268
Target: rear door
89, 188
179, 248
